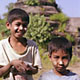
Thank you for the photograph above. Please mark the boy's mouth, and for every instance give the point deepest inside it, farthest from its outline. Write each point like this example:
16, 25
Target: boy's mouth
61, 68
20, 33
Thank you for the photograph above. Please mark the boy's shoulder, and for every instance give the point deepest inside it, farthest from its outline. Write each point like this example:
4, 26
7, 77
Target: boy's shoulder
47, 75
50, 75
48, 72
31, 43
74, 76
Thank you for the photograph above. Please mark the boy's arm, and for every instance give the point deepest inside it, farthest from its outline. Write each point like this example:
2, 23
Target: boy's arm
18, 64
5, 69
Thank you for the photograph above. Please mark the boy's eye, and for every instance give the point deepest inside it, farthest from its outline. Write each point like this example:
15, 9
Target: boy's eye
24, 25
56, 57
65, 57
18, 24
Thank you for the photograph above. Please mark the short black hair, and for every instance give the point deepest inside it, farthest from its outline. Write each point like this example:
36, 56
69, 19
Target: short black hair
60, 43
17, 13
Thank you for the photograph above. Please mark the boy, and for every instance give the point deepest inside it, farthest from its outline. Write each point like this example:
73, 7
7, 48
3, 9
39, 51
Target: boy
60, 54
19, 57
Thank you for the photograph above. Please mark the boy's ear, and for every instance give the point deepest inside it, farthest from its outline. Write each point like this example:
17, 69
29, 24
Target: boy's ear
49, 56
8, 25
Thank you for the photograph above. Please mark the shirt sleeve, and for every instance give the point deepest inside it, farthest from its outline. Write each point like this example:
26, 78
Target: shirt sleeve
37, 60
3, 59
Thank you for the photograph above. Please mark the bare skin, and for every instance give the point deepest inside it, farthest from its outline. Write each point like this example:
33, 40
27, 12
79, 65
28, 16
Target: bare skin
60, 60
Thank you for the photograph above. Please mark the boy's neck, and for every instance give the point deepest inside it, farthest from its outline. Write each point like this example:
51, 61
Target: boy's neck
17, 40
61, 73
18, 45
13, 39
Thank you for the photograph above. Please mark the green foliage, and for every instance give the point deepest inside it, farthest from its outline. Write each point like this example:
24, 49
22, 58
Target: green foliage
69, 37
35, 2
62, 19
3, 30
2, 24
38, 29
46, 62
51, 1
31, 2
2, 27
74, 60
59, 17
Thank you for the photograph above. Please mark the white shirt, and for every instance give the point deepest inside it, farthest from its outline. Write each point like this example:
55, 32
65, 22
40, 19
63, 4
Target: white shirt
8, 54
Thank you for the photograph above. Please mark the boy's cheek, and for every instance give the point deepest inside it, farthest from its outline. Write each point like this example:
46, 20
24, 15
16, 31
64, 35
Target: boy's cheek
15, 28
25, 29
66, 62
54, 62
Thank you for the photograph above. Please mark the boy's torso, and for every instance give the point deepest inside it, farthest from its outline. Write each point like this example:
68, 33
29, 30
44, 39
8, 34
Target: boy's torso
50, 75
11, 54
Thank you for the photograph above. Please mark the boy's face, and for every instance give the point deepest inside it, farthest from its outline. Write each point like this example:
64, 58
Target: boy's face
60, 61
18, 28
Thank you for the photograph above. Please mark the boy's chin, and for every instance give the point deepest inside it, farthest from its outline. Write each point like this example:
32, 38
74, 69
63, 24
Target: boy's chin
62, 72
19, 37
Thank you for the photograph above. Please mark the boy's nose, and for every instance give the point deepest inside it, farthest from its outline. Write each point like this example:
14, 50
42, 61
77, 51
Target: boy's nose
20, 27
60, 62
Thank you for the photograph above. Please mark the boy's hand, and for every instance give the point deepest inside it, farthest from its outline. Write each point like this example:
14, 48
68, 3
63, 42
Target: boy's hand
19, 65
22, 67
30, 67
31, 70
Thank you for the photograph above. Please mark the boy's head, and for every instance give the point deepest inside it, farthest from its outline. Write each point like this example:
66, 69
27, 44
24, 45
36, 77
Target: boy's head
17, 22
60, 43
60, 53
17, 13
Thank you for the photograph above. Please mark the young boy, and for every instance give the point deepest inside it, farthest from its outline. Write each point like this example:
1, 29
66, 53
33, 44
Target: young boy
60, 54
19, 57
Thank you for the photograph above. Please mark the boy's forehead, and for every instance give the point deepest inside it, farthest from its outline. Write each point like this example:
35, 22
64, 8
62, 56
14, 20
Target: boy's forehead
20, 21
60, 52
